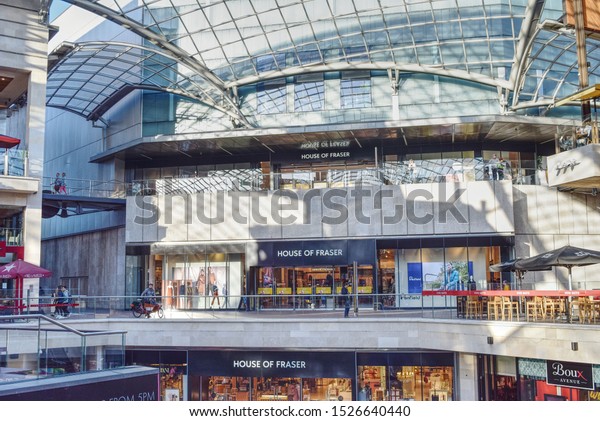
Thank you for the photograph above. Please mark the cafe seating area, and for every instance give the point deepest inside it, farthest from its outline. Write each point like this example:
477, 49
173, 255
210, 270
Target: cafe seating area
520, 306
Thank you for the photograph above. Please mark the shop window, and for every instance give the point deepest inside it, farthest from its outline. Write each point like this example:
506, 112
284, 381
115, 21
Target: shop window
225, 388
395, 383
372, 383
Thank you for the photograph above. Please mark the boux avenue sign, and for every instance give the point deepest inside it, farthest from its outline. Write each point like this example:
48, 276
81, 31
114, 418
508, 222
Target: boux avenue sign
568, 374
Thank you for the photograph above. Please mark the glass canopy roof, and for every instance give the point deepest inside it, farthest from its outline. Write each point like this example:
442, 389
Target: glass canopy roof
205, 49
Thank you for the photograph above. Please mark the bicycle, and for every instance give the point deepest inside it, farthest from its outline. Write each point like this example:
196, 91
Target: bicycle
140, 308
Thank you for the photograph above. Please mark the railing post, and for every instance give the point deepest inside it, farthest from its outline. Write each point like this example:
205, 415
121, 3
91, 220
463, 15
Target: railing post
6, 162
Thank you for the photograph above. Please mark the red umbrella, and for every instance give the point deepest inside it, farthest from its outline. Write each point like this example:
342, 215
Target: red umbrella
20, 269
8, 142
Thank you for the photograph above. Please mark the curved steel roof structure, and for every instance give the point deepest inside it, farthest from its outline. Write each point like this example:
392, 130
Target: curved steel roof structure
205, 50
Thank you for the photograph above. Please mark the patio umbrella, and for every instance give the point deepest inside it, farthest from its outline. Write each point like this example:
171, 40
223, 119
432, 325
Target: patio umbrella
508, 266
567, 256
511, 266
19, 270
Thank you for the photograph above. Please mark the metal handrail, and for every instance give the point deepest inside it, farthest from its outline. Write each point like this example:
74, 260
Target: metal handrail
192, 306
57, 323
43, 336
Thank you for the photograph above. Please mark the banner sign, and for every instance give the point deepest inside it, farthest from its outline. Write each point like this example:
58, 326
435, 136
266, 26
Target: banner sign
517, 293
415, 278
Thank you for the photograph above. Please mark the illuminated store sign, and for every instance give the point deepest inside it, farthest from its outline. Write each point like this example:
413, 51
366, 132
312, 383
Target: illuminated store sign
569, 374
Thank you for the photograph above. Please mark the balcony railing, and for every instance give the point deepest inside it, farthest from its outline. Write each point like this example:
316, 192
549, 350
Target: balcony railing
86, 188
396, 173
579, 306
12, 236
244, 180
37, 346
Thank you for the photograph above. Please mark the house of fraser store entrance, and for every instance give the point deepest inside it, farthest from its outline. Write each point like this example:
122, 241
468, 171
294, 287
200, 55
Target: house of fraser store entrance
311, 274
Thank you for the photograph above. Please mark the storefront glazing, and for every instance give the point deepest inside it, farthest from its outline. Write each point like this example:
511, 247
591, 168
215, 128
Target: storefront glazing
380, 274
255, 375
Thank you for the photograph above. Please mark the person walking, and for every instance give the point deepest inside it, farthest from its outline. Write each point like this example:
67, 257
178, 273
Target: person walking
65, 301
493, 167
215, 295
346, 299
56, 298
63, 184
57, 182
412, 170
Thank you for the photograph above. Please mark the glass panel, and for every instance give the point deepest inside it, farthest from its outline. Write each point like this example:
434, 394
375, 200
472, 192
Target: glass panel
271, 99
386, 289
372, 382
365, 284
217, 280
284, 288
309, 96
266, 286
355, 93
437, 383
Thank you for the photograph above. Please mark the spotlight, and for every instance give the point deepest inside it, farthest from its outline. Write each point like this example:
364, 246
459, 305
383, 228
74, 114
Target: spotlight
574, 346
490, 340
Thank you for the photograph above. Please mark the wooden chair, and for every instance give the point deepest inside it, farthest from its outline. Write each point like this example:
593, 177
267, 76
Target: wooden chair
534, 309
494, 308
554, 307
509, 308
587, 313
474, 308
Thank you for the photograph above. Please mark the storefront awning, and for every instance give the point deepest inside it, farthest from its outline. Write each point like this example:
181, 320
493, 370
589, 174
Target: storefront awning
8, 142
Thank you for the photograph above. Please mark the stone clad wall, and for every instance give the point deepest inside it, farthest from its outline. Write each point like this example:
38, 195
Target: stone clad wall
409, 210
546, 219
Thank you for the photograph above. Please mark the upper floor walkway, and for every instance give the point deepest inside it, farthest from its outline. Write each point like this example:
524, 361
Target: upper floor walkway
235, 180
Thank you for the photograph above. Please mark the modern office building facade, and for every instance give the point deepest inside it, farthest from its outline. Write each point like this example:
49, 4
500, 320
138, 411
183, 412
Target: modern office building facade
279, 150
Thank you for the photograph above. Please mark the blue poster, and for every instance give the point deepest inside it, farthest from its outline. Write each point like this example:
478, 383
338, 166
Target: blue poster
415, 278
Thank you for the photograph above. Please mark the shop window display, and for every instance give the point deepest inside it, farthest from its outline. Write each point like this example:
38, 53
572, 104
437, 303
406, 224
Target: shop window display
373, 384
311, 287
171, 383
394, 383
225, 388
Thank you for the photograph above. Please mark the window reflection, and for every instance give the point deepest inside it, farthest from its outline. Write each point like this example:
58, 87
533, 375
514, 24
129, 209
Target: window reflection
355, 93
309, 96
